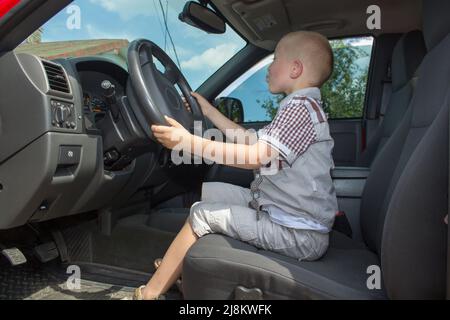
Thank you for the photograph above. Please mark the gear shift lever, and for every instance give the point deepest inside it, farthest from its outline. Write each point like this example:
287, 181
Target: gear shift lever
109, 92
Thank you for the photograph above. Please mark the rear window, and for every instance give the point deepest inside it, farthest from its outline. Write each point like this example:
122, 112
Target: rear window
344, 93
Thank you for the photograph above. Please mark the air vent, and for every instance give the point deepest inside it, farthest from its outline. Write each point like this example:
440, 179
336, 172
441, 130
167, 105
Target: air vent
56, 77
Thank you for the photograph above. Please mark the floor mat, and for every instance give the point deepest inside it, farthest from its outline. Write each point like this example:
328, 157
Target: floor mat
34, 281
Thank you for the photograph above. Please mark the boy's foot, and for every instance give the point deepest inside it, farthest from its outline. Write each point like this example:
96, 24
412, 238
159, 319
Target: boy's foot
179, 284
137, 295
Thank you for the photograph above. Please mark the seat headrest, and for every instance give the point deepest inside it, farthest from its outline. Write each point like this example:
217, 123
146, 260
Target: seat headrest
407, 55
436, 21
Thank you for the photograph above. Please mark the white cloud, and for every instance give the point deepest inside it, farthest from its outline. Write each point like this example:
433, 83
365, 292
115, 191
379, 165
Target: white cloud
212, 58
128, 9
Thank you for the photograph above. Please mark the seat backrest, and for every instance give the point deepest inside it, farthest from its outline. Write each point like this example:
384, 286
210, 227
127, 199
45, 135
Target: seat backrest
407, 55
405, 198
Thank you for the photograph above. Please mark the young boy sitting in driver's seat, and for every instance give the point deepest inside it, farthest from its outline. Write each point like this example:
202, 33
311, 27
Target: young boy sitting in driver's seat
289, 210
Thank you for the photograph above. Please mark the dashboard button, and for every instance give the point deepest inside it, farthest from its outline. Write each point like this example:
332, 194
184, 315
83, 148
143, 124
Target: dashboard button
69, 155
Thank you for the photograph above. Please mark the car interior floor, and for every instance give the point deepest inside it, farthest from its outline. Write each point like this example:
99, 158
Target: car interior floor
111, 265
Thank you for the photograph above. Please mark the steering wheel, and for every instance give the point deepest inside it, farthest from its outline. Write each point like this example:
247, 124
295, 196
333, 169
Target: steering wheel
153, 93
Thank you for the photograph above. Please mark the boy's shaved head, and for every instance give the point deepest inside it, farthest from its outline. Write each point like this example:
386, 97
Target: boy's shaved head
313, 50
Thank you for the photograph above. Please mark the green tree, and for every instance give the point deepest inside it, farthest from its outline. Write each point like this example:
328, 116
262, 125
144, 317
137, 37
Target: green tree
270, 104
343, 94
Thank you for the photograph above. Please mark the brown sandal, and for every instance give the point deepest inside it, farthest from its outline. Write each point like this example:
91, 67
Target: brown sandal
139, 296
179, 284
157, 263
138, 293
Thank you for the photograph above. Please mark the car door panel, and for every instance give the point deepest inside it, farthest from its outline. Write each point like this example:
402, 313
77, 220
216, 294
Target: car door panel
347, 140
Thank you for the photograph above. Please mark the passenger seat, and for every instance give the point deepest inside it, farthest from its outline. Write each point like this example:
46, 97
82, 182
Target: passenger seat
406, 58
402, 214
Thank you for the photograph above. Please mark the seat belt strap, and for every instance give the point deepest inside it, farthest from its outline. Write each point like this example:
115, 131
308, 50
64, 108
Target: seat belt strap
385, 98
386, 94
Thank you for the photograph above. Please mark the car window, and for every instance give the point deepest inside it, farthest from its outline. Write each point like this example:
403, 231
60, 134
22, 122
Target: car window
251, 88
105, 28
343, 95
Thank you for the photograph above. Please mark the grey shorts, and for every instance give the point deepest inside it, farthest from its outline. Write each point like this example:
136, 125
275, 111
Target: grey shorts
224, 209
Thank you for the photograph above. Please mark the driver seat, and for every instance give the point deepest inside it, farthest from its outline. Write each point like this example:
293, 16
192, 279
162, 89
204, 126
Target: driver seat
402, 211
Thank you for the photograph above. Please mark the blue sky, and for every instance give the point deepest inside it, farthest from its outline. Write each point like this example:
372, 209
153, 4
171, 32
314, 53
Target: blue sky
200, 54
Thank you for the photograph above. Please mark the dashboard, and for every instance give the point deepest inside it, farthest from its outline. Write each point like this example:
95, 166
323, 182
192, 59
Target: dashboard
91, 75
52, 146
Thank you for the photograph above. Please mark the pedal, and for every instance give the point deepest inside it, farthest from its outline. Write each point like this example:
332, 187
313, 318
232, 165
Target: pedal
46, 252
14, 256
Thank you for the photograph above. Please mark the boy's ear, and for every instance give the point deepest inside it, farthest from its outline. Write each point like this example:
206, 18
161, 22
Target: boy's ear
296, 69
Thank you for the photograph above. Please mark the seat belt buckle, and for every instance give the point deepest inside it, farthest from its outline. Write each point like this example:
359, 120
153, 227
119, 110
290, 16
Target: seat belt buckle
342, 225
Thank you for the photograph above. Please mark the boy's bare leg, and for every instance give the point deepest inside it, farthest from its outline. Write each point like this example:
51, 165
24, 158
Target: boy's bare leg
170, 269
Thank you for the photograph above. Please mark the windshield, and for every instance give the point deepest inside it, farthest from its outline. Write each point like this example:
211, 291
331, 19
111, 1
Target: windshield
106, 27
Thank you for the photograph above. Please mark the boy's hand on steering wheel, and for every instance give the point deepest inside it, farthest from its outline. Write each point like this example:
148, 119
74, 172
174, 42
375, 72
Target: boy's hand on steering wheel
186, 104
174, 136
203, 103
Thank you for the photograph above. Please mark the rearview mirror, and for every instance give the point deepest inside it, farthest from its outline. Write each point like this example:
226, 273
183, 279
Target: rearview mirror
231, 108
202, 18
